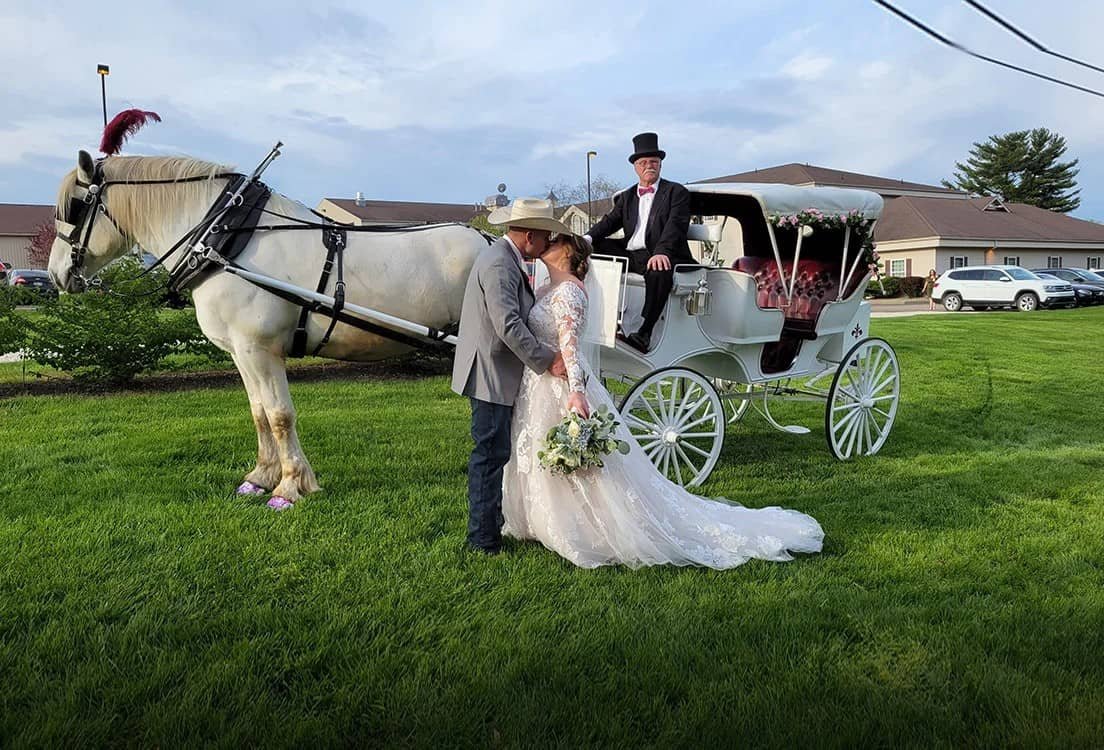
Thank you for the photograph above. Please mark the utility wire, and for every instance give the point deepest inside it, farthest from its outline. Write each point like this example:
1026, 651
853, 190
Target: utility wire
994, 17
955, 45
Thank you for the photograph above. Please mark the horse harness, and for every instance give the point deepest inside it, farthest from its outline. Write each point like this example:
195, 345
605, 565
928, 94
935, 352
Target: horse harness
224, 232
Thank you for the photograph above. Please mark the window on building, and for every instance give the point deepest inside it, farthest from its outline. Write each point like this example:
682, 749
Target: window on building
958, 261
578, 223
1094, 262
897, 267
1011, 260
1054, 261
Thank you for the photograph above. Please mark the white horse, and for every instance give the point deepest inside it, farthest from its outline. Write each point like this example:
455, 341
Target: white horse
417, 276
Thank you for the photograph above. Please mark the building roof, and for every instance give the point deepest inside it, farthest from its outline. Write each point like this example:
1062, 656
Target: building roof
23, 219
811, 175
911, 217
598, 207
407, 212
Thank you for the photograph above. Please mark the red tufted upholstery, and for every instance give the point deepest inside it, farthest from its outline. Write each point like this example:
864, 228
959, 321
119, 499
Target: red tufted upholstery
817, 283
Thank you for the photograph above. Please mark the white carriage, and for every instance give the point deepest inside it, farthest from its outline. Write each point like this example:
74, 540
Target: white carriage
782, 317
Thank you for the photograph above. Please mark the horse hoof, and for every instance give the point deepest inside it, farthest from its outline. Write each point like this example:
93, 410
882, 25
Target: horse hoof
279, 503
248, 488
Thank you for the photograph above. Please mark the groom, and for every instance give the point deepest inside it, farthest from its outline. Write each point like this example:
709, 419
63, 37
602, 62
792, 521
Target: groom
495, 345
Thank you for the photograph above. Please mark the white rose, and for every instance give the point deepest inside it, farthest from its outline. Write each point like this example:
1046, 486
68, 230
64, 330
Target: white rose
573, 429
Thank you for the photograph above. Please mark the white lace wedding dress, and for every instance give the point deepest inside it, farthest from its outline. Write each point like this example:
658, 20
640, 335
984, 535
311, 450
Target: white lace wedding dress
626, 513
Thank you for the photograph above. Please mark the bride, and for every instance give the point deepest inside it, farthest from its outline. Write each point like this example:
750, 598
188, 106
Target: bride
626, 513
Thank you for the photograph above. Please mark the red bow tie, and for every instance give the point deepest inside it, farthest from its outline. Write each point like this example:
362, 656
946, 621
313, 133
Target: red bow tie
642, 191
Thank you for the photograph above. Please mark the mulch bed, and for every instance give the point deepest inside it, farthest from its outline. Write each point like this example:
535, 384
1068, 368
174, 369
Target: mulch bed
413, 366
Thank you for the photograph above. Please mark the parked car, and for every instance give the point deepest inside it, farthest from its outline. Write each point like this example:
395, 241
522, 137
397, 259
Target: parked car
4, 268
1085, 293
34, 279
983, 287
1073, 275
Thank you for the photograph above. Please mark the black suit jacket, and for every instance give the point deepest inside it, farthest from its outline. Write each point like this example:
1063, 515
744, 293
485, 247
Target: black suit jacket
667, 222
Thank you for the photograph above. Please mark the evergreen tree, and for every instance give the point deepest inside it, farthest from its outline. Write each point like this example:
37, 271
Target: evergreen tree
1023, 167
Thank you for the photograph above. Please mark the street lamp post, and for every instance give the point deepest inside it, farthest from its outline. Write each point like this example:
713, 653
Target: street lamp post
103, 70
590, 207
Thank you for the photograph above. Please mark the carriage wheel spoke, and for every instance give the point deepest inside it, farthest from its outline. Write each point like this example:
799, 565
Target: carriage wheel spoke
867, 419
678, 469
697, 422
637, 422
855, 425
648, 406
697, 435
696, 449
687, 460
688, 413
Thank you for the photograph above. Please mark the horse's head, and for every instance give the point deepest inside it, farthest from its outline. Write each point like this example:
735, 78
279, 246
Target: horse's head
88, 238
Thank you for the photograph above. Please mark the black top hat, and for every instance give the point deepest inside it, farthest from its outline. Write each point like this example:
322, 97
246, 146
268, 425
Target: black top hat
646, 144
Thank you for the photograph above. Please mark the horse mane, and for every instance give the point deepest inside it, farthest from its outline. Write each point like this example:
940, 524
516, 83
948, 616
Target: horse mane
143, 209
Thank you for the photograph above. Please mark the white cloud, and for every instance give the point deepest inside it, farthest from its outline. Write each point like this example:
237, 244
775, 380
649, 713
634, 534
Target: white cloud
807, 67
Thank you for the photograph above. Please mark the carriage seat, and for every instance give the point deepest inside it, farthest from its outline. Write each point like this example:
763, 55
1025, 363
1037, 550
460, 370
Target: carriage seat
816, 284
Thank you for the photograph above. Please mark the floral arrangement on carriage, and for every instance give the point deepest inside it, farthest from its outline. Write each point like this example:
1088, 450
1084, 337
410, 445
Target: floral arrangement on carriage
861, 227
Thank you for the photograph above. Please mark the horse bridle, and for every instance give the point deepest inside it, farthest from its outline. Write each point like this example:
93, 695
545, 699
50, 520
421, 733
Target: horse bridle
86, 201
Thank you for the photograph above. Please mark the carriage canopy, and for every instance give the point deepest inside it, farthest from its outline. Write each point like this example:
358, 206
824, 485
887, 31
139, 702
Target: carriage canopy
790, 199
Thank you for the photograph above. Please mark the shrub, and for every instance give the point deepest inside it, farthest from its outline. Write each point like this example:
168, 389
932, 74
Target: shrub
125, 277
20, 295
97, 337
889, 287
12, 329
912, 286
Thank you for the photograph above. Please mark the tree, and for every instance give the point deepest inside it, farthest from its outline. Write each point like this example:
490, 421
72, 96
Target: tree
480, 222
1024, 167
600, 187
38, 249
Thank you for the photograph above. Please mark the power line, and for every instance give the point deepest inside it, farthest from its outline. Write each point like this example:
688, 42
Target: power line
994, 17
955, 45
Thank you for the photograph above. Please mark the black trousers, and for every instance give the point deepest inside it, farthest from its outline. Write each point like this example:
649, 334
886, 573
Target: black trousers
657, 284
490, 429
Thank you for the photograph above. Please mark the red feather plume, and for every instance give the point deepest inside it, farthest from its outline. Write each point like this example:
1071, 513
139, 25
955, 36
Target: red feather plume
122, 126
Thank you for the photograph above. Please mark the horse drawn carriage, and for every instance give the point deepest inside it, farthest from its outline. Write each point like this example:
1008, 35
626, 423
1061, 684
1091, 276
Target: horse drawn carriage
784, 319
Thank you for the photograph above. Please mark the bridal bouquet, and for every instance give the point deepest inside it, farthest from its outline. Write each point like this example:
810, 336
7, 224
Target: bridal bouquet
578, 443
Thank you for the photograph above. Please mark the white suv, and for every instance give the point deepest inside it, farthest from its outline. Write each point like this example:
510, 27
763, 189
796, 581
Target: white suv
982, 287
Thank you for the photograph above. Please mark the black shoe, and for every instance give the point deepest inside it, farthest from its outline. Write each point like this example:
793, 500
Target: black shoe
489, 551
640, 341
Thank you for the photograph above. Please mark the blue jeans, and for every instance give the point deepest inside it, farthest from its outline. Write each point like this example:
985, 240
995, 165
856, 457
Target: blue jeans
491, 432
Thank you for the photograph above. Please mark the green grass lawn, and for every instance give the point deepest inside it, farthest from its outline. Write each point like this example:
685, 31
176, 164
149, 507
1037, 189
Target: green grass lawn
959, 600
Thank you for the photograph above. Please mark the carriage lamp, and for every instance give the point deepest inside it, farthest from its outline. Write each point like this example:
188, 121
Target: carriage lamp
806, 230
699, 301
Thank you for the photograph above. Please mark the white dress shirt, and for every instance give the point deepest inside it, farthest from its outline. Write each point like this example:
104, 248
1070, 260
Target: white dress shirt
636, 242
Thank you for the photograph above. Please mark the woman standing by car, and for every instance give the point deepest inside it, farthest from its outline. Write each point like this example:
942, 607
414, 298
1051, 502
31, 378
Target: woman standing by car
929, 287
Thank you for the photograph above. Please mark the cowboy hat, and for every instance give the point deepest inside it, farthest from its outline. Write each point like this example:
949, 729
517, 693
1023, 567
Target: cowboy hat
528, 213
646, 144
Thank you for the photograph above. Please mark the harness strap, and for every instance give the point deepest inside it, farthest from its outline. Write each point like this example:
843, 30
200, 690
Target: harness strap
436, 335
334, 240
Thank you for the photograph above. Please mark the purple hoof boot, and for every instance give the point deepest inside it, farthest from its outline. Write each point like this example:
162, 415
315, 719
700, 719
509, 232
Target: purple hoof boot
248, 488
279, 503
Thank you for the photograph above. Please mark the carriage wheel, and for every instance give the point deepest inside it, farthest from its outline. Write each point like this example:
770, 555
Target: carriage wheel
677, 419
735, 408
862, 402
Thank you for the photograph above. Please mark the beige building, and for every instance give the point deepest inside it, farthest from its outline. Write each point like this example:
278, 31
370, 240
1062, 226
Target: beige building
19, 222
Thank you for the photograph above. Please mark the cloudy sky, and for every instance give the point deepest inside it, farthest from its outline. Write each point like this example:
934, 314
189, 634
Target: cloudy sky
441, 101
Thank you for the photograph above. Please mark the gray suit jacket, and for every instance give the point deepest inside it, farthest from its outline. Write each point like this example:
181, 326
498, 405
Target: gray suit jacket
495, 344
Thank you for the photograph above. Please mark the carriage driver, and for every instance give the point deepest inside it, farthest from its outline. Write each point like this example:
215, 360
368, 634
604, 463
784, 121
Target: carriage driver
655, 215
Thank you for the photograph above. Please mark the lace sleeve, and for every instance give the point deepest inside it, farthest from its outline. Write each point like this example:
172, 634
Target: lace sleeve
569, 305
